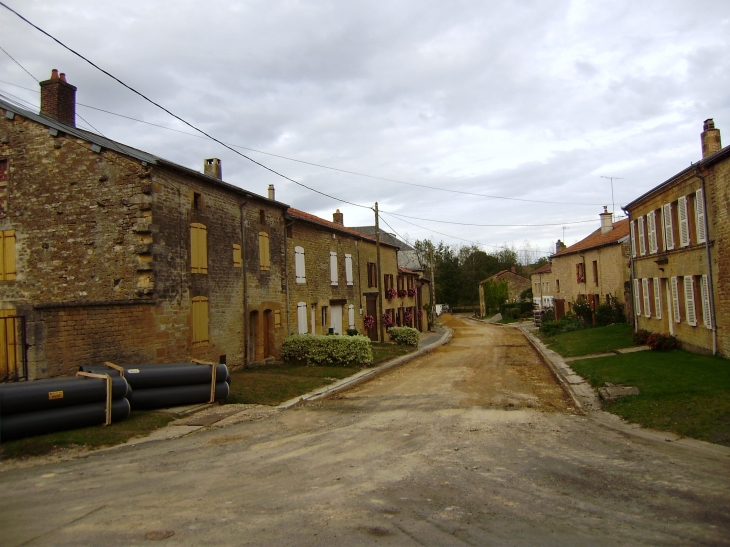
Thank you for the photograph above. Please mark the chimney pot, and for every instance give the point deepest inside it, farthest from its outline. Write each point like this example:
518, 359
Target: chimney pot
606, 221
559, 246
212, 167
338, 218
54, 74
62, 76
58, 99
272, 192
710, 137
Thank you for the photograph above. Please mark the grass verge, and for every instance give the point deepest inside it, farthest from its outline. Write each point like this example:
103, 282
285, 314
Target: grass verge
139, 423
595, 340
383, 351
681, 392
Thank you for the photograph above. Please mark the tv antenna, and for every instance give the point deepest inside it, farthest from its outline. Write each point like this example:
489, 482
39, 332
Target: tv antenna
613, 203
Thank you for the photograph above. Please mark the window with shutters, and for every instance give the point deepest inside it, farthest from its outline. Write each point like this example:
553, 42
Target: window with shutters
387, 281
299, 270
400, 282
689, 300
668, 226
351, 316
333, 269
700, 216
675, 299
580, 273
683, 222
647, 297
651, 229
595, 272
348, 269
237, 262
410, 282
302, 317
372, 275
198, 248
3, 185
657, 299
632, 225
200, 321
264, 252
705, 293
642, 241
637, 297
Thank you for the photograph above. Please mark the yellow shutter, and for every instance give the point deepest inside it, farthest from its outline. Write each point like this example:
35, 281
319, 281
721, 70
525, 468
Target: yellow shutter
237, 262
264, 256
7, 264
277, 319
198, 248
200, 321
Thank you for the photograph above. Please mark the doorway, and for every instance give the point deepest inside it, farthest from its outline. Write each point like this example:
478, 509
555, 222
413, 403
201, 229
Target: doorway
268, 332
371, 305
336, 317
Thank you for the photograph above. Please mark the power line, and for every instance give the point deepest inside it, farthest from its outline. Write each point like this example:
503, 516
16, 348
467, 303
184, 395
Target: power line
17, 63
489, 225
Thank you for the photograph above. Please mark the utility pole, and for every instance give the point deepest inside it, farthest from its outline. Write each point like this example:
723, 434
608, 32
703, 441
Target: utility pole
613, 202
433, 288
379, 319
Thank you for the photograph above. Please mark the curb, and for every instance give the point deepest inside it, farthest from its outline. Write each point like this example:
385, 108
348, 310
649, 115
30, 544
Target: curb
364, 375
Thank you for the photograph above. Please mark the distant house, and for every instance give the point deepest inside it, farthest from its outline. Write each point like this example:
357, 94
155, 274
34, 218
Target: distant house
680, 257
543, 286
593, 269
407, 254
516, 284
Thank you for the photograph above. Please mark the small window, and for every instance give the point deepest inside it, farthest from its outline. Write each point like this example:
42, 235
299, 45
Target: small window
372, 274
595, 272
200, 321
580, 273
262, 216
197, 201
237, 261
557, 285
264, 252
198, 248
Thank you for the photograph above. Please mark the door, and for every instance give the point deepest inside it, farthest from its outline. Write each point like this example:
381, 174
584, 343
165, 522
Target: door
254, 336
371, 303
559, 308
336, 317
268, 332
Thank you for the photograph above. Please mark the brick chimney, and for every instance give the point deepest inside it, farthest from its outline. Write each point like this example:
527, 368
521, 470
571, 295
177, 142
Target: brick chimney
606, 221
559, 246
338, 218
212, 167
710, 138
272, 192
58, 99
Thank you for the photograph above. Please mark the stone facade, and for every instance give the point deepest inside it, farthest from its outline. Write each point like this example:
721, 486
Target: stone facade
543, 287
516, 286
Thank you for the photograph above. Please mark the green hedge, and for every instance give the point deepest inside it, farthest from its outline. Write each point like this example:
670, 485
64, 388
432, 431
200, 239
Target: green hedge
317, 350
405, 336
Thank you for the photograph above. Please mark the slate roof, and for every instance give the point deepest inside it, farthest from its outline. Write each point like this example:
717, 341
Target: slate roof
301, 215
597, 239
407, 256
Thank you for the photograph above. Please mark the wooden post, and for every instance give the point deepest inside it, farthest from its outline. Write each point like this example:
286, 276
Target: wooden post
108, 392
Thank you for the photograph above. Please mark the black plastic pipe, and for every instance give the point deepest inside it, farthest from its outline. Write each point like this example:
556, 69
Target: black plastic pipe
167, 375
166, 397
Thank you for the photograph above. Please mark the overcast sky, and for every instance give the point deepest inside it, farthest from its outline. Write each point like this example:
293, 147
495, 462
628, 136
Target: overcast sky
524, 99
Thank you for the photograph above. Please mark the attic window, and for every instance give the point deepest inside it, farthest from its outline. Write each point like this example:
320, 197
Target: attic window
197, 201
262, 216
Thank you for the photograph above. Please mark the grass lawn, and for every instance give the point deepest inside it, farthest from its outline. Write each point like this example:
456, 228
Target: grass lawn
139, 423
681, 392
595, 340
382, 351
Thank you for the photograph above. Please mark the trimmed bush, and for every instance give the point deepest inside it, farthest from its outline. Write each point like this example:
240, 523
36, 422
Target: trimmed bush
660, 342
405, 336
641, 336
318, 350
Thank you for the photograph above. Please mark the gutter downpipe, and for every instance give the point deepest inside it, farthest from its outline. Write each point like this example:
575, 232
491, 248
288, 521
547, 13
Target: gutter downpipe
286, 270
631, 277
245, 283
711, 289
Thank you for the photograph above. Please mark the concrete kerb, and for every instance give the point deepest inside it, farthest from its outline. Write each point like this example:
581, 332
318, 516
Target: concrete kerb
364, 375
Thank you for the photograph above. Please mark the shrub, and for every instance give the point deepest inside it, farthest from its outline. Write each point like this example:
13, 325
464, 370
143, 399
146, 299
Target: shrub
641, 336
583, 310
549, 315
659, 342
610, 312
352, 332
551, 328
404, 336
318, 350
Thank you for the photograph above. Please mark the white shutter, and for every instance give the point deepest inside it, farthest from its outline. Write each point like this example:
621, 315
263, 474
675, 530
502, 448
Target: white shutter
706, 315
302, 317
683, 221
637, 297
647, 302
633, 238
299, 265
668, 227
642, 241
351, 316
675, 299
657, 299
700, 216
651, 221
348, 269
333, 268
689, 300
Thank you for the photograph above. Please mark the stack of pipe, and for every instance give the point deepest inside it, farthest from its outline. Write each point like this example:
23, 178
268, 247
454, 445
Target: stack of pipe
45, 406
172, 384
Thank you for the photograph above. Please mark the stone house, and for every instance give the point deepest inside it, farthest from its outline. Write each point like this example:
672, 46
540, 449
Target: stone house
594, 269
680, 252
111, 253
516, 284
543, 287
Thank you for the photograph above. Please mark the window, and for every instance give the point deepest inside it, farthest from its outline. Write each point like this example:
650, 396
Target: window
399, 281
197, 201
333, 269
302, 317
299, 265
647, 297
700, 216
264, 252
324, 316
372, 274
580, 273
633, 238
651, 229
675, 299
237, 262
348, 269
200, 321
657, 299
388, 281
668, 227
683, 222
351, 316
410, 282
689, 300
642, 241
557, 285
637, 297
198, 248
705, 291
595, 272
262, 216
3, 185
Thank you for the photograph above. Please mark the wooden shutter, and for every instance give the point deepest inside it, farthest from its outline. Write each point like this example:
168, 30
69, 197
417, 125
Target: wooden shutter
705, 289
651, 226
700, 216
277, 319
351, 316
348, 269
237, 262
198, 248
633, 238
200, 321
683, 222
264, 252
302, 317
647, 301
333, 269
642, 241
668, 227
637, 297
7, 247
657, 299
299, 269
675, 299
689, 300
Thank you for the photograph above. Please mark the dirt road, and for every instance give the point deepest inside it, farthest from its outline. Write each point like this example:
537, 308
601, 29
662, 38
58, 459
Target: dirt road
474, 444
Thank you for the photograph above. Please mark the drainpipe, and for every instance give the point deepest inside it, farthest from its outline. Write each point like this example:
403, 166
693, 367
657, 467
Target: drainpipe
286, 269
245, 285
631, 273
709, 264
